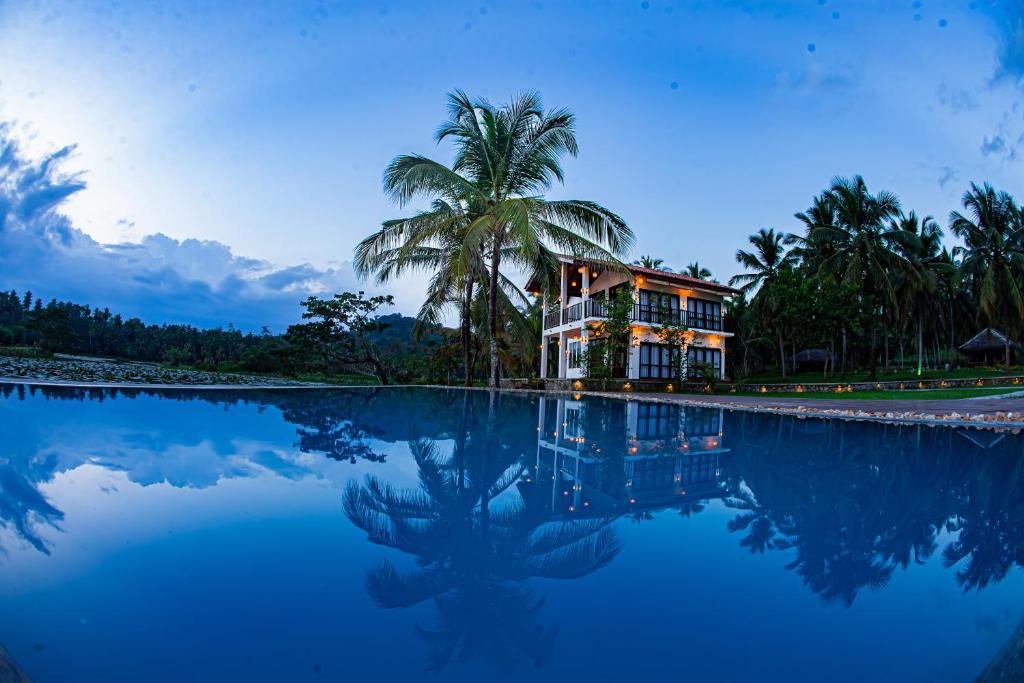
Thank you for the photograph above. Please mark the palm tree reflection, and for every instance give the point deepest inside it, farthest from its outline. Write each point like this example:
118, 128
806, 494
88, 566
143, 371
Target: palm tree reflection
475, 544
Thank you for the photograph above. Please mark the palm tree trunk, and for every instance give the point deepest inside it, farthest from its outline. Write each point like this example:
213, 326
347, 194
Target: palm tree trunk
467, 308
920, 346
782, 355
492, 314
842, 367
1006, 350
873, 361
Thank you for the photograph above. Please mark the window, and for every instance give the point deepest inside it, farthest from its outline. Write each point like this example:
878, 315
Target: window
658, 361
575, 353
706, 315
653, 305
697, 356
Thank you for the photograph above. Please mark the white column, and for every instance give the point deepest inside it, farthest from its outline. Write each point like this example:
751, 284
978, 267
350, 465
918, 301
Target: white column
543, 357
722, 372
562, 361
585, 282
543, 337
633, 371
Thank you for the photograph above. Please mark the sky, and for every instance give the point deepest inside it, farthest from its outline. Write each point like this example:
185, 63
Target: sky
217, 162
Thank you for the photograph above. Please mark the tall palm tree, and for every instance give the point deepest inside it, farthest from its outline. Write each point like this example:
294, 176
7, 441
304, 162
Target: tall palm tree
993, 255
647, 261
764, 265
698, 271
920, 244
505, 158
430, 241
814, 246
861, 240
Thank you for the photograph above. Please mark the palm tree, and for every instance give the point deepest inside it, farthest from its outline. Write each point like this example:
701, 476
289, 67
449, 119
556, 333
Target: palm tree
430, 241
920, 244
651, 262
764, 265
505, 158
698, 271
765, 262
861, 241
993, 255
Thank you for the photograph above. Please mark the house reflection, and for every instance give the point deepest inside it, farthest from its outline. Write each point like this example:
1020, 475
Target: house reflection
615, 458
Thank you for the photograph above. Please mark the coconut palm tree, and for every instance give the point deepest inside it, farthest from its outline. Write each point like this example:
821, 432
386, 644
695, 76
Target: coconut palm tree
505, 158
698, 271
993, 255
919, 242
861, 240
430, 241
765, 264
651, 262
814, 246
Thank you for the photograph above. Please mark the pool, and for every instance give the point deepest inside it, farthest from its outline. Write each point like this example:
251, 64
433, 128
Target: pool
299, 535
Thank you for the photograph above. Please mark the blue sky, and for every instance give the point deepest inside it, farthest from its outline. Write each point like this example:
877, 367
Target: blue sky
232, 152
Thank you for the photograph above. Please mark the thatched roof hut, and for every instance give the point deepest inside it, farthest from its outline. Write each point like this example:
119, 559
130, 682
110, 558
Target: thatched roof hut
810, 358
989, 344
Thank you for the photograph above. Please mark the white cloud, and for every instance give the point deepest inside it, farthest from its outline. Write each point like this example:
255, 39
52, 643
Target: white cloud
159, 279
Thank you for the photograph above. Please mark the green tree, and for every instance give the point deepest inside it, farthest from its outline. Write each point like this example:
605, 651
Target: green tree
609, 339
861, 241
764, 265
340, 332
505, 158
920, 245
993, 256
647, 261
698, 271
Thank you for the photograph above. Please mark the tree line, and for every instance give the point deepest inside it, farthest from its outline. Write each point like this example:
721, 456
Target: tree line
867, 280
346, 334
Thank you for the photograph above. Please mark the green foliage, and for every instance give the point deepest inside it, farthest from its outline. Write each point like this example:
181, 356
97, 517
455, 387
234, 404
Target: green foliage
339, 334
30, 329
488, 211
613, 334
867, 282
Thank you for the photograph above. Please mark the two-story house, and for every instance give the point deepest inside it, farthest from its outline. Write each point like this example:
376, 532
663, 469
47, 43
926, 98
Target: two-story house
659, 296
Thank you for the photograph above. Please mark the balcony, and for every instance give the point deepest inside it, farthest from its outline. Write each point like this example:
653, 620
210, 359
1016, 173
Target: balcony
644, 314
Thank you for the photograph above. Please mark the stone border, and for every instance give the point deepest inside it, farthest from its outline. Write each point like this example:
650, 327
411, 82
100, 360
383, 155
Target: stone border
980, 420
640, 385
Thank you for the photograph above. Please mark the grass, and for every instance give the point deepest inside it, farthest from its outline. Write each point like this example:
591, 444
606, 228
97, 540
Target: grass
22, 352
896, 376
905, 395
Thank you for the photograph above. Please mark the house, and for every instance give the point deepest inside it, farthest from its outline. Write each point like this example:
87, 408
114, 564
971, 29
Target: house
574, 319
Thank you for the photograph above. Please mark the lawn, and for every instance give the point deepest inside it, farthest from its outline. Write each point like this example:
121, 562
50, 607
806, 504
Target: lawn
905, 395
894, 376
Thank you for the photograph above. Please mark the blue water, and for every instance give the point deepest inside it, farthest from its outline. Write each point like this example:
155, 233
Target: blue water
340, 535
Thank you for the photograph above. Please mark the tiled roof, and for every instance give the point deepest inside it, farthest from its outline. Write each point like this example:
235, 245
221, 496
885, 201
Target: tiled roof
685, 279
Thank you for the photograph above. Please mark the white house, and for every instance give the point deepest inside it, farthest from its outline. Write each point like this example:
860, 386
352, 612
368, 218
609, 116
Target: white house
574, 320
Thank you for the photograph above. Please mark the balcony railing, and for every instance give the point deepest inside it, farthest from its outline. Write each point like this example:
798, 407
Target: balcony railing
642, 313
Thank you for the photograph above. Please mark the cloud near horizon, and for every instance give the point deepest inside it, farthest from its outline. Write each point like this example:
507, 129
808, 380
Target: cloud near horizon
159, 279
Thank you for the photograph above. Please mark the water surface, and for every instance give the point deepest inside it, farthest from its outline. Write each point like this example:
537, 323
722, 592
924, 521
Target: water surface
406, 534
